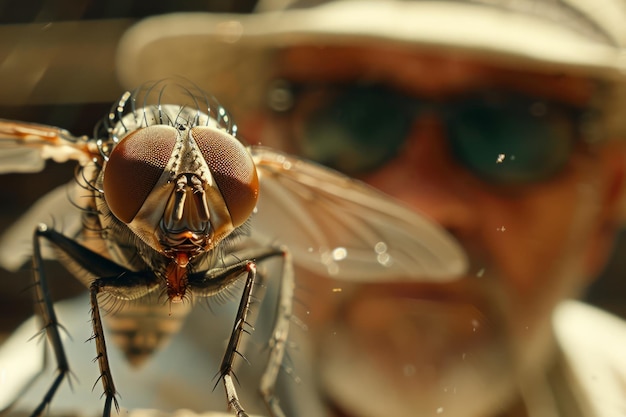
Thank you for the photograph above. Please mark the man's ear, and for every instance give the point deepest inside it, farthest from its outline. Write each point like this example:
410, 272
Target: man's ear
612, 214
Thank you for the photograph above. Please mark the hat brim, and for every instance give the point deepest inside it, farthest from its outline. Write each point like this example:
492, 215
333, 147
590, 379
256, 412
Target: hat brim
226, 53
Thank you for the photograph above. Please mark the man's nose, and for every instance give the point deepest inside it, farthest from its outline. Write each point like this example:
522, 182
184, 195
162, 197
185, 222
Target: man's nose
425, 176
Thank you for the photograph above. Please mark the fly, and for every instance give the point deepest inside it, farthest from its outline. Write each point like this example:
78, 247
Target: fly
167, 192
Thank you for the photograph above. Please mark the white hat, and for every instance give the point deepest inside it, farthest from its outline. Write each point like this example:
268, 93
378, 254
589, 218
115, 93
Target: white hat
227, 54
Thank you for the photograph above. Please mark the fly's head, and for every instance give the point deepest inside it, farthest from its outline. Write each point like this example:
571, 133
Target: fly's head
181, 189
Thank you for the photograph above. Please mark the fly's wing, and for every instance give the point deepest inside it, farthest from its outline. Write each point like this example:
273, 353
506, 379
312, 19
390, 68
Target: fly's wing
21, 363
25, 147
338, 226
54, 208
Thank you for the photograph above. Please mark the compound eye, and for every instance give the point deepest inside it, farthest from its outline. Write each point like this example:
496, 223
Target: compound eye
232, 169
134, 168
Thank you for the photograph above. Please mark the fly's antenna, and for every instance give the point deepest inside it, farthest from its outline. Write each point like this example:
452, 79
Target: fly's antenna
144, 104
104, 154
197, 105
210, 105
162, 116
159, 105
216, 110
225, 116
179, 116
105, 130
172, 101
207, 102
119, 110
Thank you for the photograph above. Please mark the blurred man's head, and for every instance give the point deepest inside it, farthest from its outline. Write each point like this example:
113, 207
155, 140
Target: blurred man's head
499, 121
514, 164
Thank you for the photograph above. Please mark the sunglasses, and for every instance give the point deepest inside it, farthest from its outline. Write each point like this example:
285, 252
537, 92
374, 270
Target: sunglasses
502, 137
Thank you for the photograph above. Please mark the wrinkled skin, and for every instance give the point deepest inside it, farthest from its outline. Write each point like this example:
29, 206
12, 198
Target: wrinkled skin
479, 346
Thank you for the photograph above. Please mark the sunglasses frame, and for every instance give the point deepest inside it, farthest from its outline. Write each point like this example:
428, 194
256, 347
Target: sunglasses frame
283, 99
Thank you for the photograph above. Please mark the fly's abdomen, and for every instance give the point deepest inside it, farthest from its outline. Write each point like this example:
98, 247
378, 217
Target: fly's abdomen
139, 329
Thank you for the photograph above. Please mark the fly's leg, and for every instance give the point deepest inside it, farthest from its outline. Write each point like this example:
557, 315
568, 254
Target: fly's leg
207, 285
101, 349
278, 339
212, 283
110, 277
226, 367
279, 335
51, 323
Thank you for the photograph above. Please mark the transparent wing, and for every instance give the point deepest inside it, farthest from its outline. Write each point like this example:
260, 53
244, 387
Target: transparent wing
54, 208
21, 362
25, 147
337, 226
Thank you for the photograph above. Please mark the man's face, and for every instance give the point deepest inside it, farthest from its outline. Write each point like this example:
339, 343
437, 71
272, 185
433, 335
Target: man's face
460, 348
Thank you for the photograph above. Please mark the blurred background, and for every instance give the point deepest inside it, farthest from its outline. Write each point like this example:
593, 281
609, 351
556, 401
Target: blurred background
57, 63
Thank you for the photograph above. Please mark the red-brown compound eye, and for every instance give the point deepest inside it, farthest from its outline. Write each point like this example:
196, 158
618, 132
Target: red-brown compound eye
233, 170
134, 167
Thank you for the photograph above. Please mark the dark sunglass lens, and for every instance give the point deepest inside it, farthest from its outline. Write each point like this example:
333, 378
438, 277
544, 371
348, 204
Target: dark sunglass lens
511, 143
358, 130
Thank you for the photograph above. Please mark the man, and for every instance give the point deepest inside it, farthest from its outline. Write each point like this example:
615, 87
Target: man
503, 122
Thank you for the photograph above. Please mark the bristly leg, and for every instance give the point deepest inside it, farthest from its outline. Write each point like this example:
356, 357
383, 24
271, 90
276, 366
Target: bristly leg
279, 336
216, 281
226, 371
110, 277
51, 324
278, 339
102, 357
